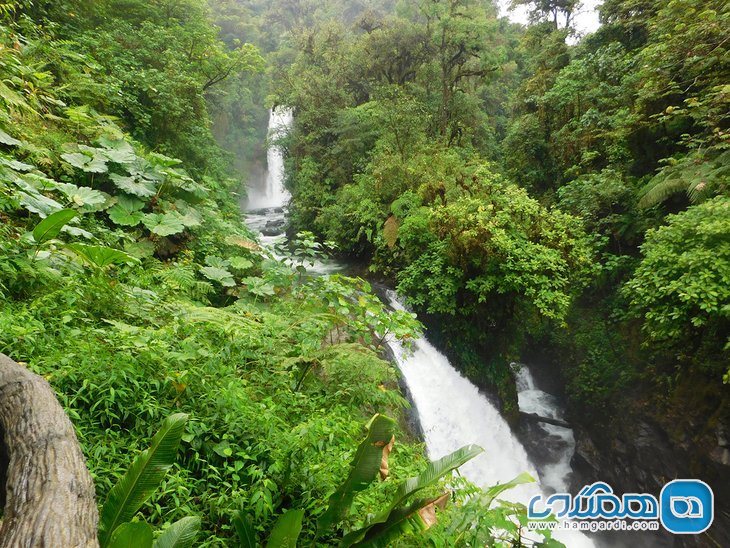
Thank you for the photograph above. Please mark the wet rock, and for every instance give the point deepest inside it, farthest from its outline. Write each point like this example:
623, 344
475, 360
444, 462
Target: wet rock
274, 227
642, 458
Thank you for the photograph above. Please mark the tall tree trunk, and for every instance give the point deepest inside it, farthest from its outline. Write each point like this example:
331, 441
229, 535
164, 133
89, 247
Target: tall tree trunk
48, 493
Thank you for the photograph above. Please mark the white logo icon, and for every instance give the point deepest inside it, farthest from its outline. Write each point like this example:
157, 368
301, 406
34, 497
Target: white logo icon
686, 507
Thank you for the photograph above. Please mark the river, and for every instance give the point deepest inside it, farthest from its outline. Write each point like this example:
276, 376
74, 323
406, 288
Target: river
451, 410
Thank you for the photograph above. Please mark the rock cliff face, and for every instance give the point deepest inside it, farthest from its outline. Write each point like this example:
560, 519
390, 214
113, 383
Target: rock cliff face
644, 456
653, 435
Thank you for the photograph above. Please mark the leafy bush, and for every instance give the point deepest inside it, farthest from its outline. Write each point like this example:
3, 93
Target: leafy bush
681, 288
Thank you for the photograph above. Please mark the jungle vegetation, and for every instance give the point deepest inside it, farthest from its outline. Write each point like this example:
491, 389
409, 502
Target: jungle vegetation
522, 186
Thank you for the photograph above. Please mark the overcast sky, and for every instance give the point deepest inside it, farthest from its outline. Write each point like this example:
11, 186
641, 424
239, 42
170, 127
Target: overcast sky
586, 20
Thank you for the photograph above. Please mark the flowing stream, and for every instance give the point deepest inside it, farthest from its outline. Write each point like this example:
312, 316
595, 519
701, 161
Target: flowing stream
451, 410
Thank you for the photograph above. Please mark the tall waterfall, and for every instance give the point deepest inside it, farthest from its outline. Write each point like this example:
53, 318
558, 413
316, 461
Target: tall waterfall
453, 413
557, 442
273, 194
265, 204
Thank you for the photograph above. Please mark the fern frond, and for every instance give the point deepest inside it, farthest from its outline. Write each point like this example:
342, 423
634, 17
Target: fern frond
178, 277
660, 188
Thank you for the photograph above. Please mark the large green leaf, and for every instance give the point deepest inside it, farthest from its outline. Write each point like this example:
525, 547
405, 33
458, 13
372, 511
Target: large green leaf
49, 227
433, 472
191, 217
401, 521
161, 160
118, 151
220, 275
259, 286
133, 184
35, 202
365, 467
245, 530
142, 478
127, 211
6, 139
180, 534
131, 535
89, 160
240, 263
16, 165
101, 256
164, 224
85, 197
143, 169
494, 491
286, 530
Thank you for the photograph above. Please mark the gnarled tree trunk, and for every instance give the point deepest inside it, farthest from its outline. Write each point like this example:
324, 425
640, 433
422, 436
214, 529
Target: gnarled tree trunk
49, 495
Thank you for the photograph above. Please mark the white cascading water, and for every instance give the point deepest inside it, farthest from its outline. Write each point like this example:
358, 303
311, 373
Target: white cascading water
555, 470
265, 205
453, 413
273, 194
451, 410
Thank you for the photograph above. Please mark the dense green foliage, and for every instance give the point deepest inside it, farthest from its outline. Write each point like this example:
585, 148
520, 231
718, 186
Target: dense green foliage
523, 188
129, 280
506, 180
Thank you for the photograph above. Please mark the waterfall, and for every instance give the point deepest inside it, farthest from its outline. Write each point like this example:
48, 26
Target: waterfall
452, 413
273, 194
557, 444
265, 205
451, 410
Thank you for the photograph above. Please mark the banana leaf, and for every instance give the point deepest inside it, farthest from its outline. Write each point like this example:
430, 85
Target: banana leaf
180, 534
394, 515
365, 467
286, 530
49, 227
245, 530
132, 535
142, 478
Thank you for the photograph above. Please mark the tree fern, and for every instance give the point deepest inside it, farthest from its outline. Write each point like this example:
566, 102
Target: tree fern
701, 176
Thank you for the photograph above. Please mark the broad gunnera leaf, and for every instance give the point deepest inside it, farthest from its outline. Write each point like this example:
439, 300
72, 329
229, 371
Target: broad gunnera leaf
16, 165
134, 185
164, 224
220, 275
118, 151
8, 140
127, 211
84, 197
88, 161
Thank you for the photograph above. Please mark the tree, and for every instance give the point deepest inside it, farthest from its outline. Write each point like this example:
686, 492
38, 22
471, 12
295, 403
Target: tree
51, 498
462, 53
550, 10
681, 288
